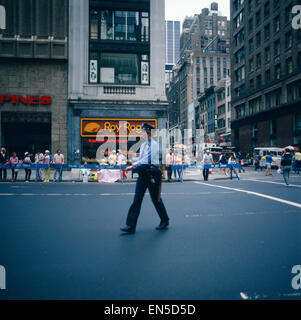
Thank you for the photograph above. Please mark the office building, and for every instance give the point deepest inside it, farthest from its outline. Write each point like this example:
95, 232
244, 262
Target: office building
266, 74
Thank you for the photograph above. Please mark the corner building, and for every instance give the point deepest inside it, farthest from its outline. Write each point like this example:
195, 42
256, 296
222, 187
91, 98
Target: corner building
116, 71
33, 76
266, 74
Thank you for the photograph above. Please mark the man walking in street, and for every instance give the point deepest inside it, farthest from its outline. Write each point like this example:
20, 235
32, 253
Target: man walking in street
58, 159
268, 163
149, 178
286, 163
207, 160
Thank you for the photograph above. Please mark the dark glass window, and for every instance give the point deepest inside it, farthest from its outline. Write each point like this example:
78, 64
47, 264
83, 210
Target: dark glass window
119, 25
288, 40
277, 24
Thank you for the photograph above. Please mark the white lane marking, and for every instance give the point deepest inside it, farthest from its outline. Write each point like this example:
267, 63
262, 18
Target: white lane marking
273, 182
109, 194
295, 204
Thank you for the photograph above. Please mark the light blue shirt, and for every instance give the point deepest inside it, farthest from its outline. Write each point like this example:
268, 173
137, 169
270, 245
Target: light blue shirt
144, 150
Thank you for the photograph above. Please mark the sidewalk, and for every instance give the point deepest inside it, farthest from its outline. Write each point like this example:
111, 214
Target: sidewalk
75, 176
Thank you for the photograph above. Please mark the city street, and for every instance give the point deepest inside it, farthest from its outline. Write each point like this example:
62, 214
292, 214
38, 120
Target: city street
226, 240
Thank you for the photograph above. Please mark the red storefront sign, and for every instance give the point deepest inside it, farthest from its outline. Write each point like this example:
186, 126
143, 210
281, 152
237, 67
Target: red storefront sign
29, 99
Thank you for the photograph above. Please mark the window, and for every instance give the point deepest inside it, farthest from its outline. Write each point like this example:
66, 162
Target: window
267, 33
294, 91
204, 60
268, 100
267, 54
197, 59
289, 65
119, 25
267, 76
205, 71
251, 25
252, 86
277, 72
288, 14
240, 111
255, 105
266, 10
251, 65
258, 61
238, 21
288, 40
240, 55
251, 45
259, 81
239, 37
240, 74
93, 24
258, 18
258, 40
277, 48
237, 4
276, 4
240, 91
277, 24
118, 68
251, 5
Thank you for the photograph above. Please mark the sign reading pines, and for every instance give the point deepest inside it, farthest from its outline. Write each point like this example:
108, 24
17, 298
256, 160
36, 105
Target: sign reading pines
2, 278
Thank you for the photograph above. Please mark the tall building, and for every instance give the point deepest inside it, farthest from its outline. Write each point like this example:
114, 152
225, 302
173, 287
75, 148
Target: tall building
172, 29
207, 31
266, 74
33, 76
204, 61
116, 71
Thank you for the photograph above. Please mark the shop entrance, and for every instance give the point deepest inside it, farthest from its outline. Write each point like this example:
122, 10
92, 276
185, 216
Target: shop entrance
23, 132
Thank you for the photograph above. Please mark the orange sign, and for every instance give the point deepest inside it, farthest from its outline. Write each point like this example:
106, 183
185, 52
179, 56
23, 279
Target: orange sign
114, 127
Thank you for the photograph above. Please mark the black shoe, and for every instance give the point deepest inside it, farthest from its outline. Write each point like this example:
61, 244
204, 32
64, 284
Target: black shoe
163, 225
128, 229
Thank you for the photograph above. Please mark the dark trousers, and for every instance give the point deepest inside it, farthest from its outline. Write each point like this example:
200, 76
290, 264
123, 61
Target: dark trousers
169, 172
142, 184
205, 174
4, 173
27, 174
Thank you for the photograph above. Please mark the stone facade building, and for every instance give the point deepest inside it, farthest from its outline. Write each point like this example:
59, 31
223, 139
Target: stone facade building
116, 70
33, 77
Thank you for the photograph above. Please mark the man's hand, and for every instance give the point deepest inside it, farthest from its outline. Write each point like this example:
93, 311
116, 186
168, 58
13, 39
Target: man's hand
131, 167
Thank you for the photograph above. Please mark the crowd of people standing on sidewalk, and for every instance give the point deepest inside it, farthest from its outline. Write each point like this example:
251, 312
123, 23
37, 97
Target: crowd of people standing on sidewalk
40, 157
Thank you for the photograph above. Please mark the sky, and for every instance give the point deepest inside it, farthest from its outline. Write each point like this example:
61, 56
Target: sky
179, 9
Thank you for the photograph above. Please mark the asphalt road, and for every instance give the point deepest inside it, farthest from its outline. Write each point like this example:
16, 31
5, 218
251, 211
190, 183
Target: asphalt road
62, 241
